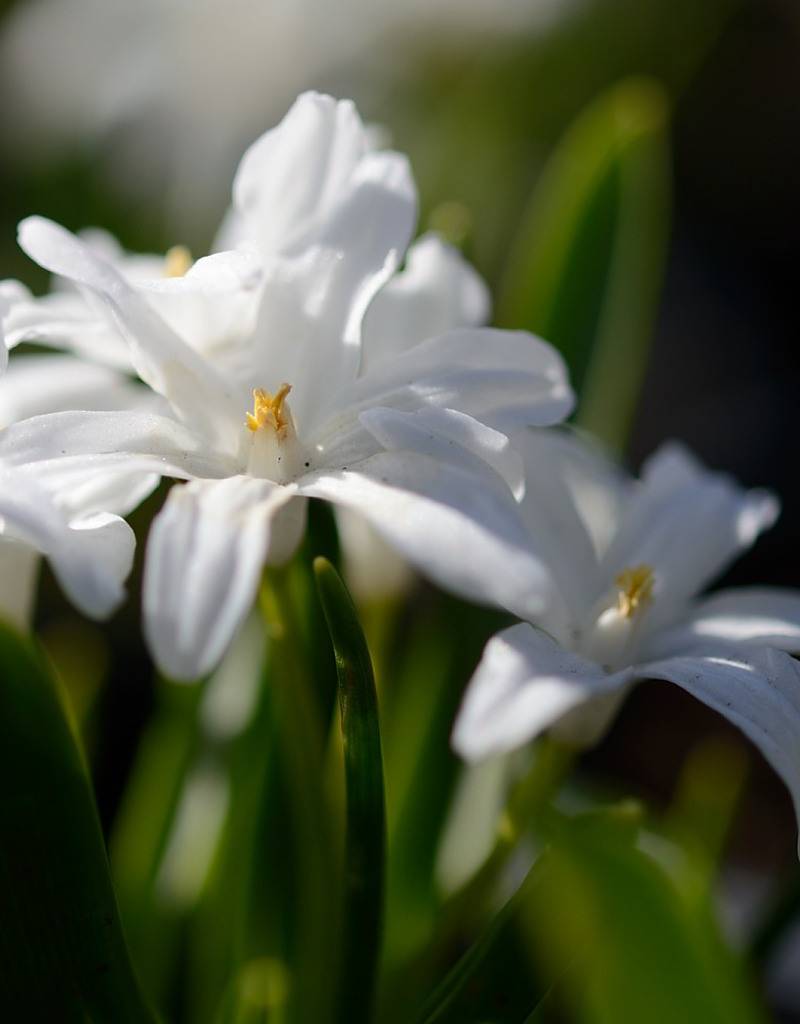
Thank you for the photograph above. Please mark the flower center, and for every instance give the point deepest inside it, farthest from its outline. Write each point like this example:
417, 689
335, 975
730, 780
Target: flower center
635, 590
274, 451
177, 261
270, 411
615, 625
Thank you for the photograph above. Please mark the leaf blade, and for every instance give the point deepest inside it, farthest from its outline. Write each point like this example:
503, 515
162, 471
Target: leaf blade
365, 801
59, 911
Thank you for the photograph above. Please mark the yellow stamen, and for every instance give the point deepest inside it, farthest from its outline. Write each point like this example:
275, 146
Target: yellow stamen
268, 410
635, 589
177, 261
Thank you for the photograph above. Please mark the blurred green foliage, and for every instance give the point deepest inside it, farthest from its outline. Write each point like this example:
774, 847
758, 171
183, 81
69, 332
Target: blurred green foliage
62, 952
585, 270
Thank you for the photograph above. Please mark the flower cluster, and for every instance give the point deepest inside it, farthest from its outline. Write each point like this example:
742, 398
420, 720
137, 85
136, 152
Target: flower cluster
319, 352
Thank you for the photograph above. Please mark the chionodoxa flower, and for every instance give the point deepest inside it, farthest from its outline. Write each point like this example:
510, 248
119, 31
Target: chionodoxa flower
630, 559
299, 364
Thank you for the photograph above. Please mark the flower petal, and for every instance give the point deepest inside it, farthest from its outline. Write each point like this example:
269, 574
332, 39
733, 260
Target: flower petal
309, 325
450, 436
505, 379
525, 683
290, 177
436, 292
458, 529
213, 306
47, 383
758, 690
768, 616
168, 365
62, 319
205, 555
36, 384
90, 556
687, 524
570, 506
126, 440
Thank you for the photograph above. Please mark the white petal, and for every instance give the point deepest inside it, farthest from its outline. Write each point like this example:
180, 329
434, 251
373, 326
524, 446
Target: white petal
597, 486
213, 306
36, 384
127, 441
687, 524
436, 292
205, 555
449, 436
758, 690
220, 274
289, 178
161, 358
287, 527
524, 684
85, 486
767, 616
567, 507
90, 556
455, 528
309, 325
62, 319
371, 227
506, 379
42, 383
102, 546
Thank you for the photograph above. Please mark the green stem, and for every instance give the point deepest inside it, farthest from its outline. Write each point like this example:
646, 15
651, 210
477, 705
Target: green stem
527, 798
443, 1003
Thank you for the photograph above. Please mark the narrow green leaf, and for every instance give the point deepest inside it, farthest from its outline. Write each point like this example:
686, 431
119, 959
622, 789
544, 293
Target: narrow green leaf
586, 270
482, 965
305, 830
366, 821
63, 955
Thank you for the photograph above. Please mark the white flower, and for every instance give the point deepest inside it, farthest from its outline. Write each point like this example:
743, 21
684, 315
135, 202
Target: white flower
290, 184
212, 303
63, 514
629, 559
412, 433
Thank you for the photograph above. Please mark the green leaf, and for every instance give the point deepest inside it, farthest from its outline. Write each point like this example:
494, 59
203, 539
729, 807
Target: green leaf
142, 830
366, 820
586, 269
63, 955
422, 693
641, 949
304, 832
